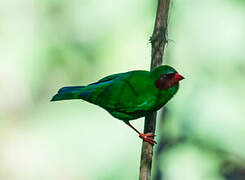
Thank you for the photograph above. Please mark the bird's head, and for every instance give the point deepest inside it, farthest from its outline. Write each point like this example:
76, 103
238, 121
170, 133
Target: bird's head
166, 77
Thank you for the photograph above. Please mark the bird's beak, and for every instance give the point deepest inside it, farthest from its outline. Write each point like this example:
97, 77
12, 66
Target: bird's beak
178, 77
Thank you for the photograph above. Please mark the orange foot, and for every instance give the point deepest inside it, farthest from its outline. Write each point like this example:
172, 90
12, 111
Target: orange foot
148, 138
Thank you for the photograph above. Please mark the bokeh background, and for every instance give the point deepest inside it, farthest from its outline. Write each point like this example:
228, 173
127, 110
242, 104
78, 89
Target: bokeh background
48, 44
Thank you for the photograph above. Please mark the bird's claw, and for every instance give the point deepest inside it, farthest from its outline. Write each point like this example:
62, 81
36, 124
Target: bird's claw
148, 138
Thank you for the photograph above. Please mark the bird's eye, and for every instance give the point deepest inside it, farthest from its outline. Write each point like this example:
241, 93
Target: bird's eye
168, 76
164, 76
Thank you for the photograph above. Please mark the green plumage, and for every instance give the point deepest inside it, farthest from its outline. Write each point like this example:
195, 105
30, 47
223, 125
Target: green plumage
126, 96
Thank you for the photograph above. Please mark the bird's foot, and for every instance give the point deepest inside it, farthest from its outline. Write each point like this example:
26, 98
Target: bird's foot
148, 138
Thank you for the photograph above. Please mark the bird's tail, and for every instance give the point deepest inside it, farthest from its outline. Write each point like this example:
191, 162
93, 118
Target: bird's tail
71, 92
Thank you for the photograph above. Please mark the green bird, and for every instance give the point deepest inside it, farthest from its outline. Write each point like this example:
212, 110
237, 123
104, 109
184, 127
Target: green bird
130, 95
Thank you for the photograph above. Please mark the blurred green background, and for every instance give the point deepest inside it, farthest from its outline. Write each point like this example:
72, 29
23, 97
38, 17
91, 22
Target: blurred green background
47, 44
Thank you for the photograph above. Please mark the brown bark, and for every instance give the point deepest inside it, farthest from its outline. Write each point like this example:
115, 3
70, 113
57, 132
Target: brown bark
158, 42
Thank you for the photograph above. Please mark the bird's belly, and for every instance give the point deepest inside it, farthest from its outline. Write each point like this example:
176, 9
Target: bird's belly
127, 116
139, 110
147, 104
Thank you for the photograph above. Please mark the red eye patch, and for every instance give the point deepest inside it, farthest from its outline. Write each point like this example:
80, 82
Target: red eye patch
167, 81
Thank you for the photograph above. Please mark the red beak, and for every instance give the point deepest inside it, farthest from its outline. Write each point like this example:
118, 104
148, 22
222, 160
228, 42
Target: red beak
178, 77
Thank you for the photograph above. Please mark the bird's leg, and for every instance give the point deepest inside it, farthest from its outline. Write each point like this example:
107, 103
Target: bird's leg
146, 137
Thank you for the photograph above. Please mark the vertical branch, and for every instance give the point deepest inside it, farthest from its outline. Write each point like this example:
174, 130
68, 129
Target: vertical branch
158, 42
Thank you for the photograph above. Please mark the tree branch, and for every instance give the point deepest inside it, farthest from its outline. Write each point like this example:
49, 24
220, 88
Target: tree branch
158, 42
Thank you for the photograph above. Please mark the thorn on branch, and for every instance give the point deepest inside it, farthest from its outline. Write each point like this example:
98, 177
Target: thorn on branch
160, 35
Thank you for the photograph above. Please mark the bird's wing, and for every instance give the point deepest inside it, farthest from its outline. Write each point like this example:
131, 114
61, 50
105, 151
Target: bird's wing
108, 78
129, 92
99, 92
